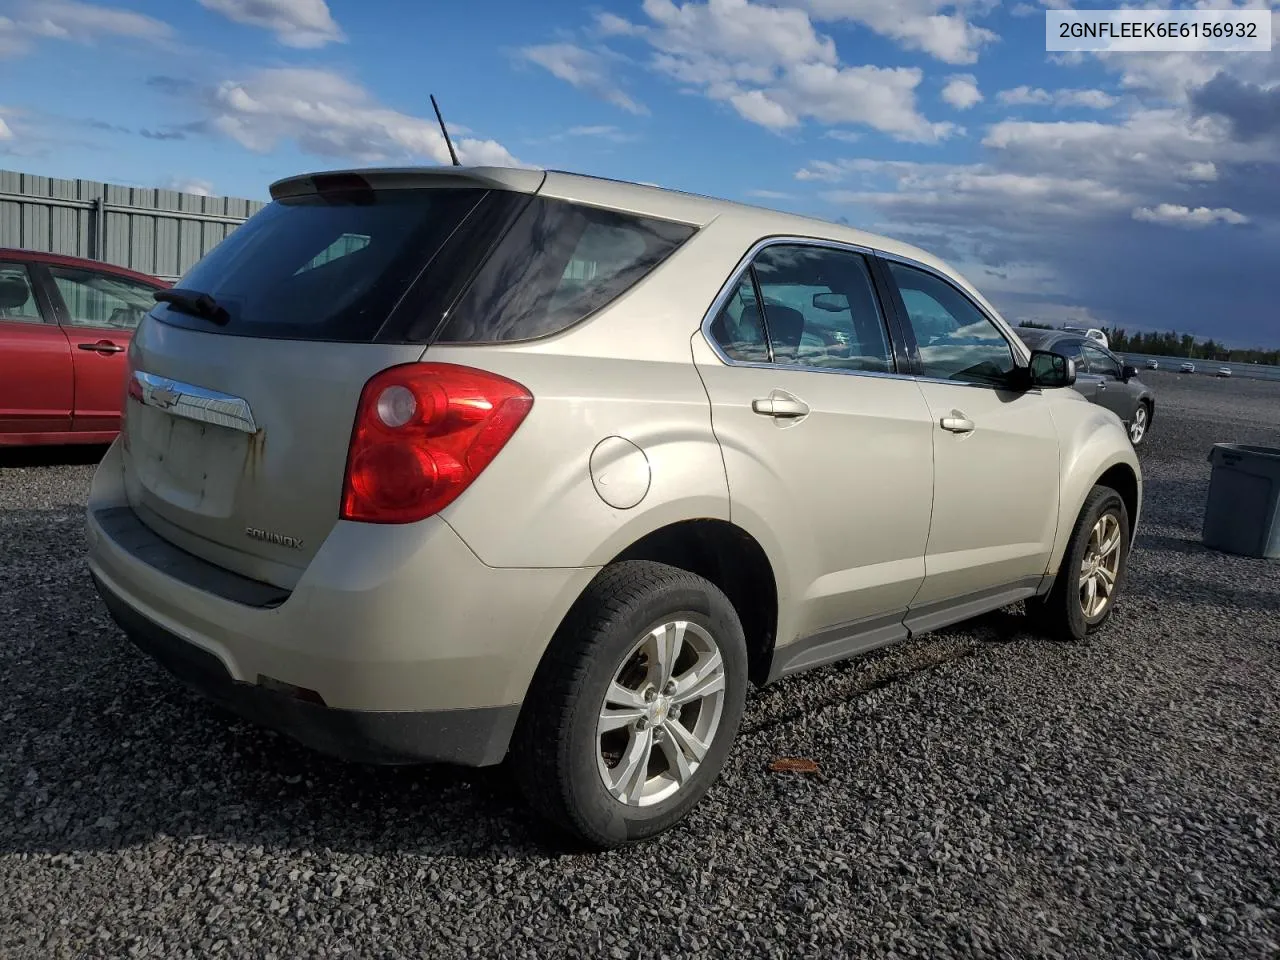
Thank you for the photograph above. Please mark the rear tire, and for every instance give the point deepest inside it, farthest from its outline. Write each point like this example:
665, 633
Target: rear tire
1098, 551
609, 698
1140, 424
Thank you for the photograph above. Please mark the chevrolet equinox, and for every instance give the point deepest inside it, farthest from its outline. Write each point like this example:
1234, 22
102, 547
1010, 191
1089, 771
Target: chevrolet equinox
473, 465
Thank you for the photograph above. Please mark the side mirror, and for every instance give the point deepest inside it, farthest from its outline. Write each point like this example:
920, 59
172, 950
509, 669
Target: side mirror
1051, 370
831, 302
1128, 372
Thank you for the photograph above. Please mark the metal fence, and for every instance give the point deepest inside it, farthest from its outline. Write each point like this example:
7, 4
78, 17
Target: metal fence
160, 232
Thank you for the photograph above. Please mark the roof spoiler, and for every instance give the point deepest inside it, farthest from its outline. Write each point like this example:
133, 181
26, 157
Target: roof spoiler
516, 179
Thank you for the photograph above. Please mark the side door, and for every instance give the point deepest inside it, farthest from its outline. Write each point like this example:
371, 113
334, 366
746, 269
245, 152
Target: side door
35, 359
995, 451
1112, 392
99, 312
826, 446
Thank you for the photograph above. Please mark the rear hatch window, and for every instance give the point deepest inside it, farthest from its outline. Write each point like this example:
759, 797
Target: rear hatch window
370, 265
325, 266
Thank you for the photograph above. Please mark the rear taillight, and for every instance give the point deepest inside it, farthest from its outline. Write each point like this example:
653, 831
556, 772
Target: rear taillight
423, 433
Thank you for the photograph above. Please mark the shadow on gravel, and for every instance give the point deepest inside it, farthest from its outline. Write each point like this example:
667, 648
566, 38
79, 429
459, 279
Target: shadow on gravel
1185, 545
101, 750
57, 456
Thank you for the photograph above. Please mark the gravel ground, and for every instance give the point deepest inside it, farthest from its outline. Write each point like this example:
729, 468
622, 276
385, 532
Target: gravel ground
981, 792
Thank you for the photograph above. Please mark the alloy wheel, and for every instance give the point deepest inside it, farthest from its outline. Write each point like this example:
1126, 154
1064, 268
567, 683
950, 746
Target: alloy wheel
660, 714
1138, 428
1101, 566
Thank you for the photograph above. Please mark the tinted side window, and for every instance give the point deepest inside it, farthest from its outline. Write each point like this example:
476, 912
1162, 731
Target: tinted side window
739, 328
1100, 362
955, 339
820, 308
559, 263
17, 298
1069, 348
101, 300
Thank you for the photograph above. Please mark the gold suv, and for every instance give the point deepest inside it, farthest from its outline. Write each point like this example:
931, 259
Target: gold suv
473, 464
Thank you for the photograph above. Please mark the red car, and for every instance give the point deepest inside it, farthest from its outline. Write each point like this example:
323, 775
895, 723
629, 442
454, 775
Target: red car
65, 324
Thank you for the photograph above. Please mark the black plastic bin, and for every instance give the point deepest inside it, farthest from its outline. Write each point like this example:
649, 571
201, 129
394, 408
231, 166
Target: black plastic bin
1243, 512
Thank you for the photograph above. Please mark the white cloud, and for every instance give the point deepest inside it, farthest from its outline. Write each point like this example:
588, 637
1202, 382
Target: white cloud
1036, 96
5, 132
739, 31
770, 195
961, 91
844, 136
1148, 148
914, 24
11, 41
75, 21
756, 106
879, 97
1177, 215
1024, 95
598, 131
330, 116
585, 69
296, 23
955, 192
612, 25
1205, 170
201, 188
767, 62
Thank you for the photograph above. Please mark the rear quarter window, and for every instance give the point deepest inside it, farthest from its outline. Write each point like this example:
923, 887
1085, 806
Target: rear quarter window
559, 263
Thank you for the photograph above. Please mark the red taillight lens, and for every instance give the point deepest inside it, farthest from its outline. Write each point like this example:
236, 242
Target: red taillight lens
423, 433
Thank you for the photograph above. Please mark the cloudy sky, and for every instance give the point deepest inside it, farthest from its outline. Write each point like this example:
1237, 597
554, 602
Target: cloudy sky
1140, 190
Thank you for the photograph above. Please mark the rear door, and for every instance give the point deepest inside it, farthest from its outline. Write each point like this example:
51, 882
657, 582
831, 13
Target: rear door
826, 447
995, 452
35, 359
237, 428
98, 312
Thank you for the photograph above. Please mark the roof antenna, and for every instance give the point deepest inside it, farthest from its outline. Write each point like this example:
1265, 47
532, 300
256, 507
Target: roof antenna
447, 142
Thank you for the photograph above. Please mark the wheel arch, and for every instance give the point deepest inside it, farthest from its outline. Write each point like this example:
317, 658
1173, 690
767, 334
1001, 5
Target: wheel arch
732, 559
1121, 478
1097, 451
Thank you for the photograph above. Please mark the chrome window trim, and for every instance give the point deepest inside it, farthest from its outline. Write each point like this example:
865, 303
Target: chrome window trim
195, 403
735, 278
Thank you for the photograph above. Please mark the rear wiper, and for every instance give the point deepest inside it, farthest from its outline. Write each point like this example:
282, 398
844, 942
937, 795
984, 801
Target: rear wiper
195, 303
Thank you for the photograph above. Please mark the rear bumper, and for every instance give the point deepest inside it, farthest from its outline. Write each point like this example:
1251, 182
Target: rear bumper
474, 737
396, 644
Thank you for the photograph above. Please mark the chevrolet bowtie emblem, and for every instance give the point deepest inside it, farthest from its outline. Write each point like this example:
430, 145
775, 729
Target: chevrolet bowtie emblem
164, 397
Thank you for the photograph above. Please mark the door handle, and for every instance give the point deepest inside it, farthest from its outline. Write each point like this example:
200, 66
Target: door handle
780, 406
957, 423
102, 346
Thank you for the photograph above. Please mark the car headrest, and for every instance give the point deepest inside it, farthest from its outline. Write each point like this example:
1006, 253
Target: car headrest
14, 293
786, 325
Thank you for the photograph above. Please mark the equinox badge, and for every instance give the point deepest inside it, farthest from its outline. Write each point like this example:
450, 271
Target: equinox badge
266, 536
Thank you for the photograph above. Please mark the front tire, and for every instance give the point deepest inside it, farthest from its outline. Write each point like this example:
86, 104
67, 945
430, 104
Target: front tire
635, 705
1093, 570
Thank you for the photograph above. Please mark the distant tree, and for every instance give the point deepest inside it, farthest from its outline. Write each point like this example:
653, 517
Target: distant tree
1037, 326
1171, 344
